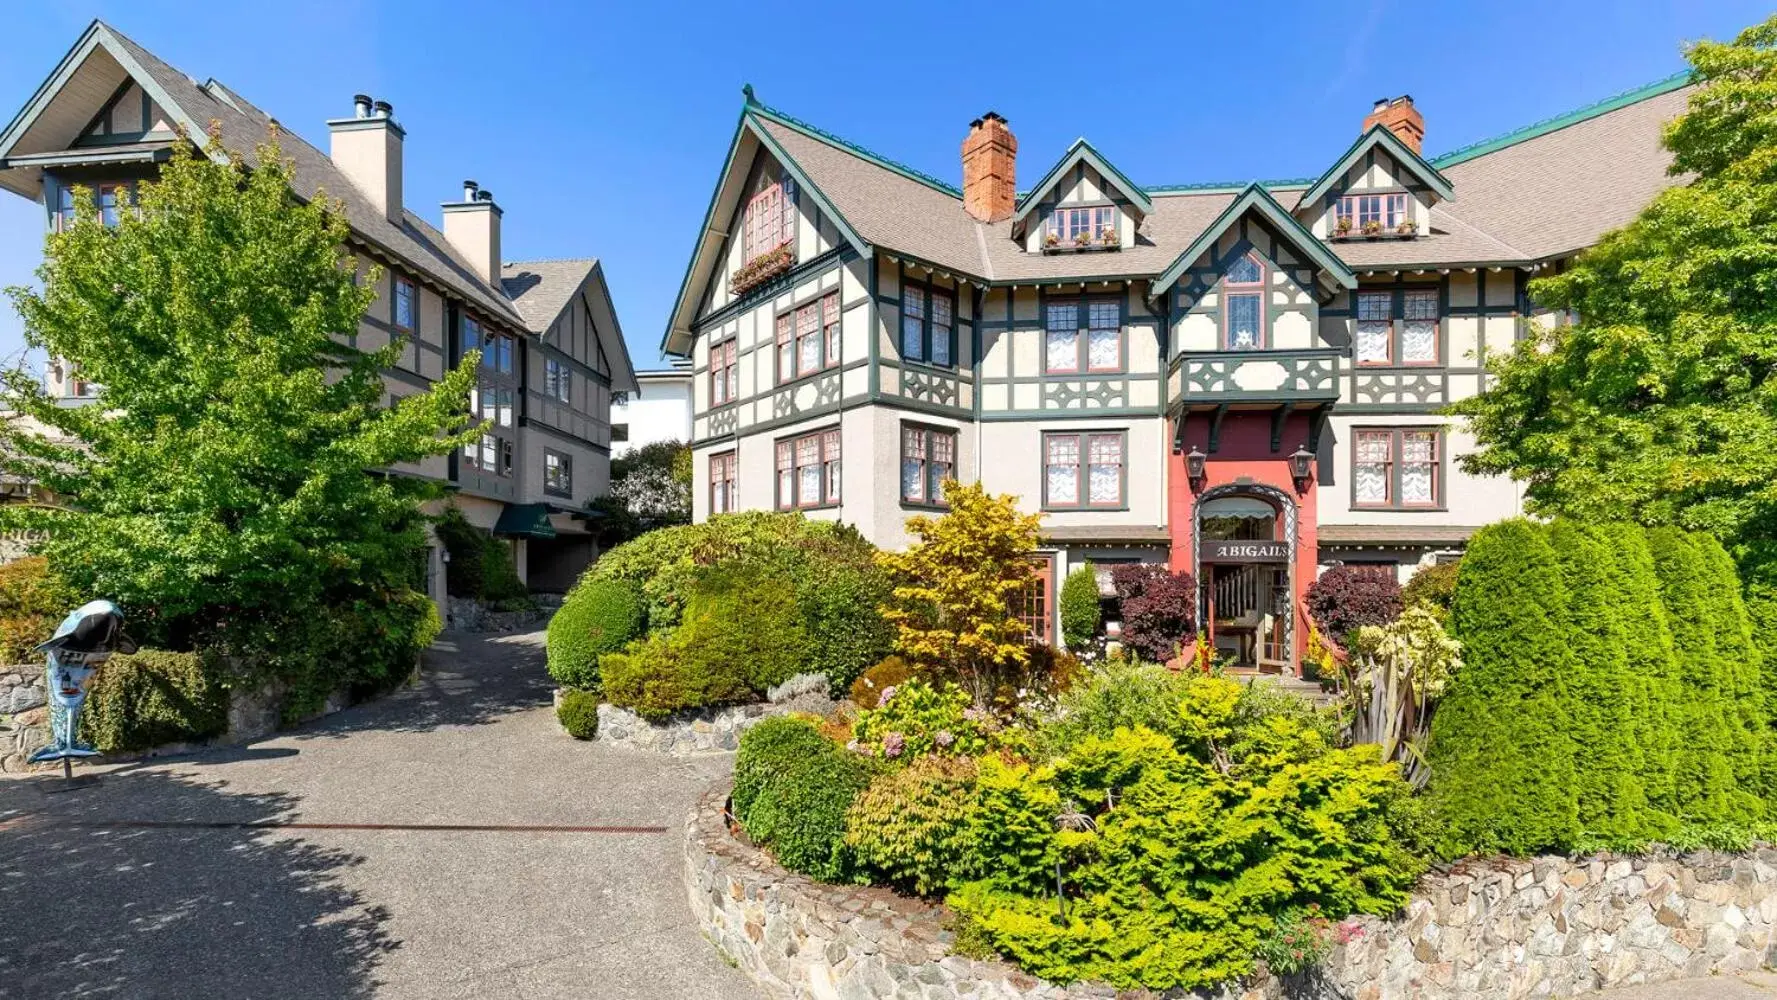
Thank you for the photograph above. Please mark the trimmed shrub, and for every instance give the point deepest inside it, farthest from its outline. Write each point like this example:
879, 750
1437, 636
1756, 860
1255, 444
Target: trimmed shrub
867, 690
578, 713
792, 790
1647, 637
1345, 599
913, 826
655, 679
598, 617
915, 719
1079, 608
33, 601
1502, 754
1159, 609
741, 616
841, 603
481, 566
153, 698
1433, 586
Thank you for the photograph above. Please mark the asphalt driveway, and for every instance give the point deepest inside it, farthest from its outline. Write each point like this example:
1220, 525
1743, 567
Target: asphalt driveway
380, 853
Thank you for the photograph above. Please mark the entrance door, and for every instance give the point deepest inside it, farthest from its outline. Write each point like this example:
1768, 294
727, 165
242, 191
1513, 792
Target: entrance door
1244, 572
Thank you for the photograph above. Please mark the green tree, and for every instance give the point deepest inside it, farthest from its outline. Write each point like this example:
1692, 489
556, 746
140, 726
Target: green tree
650, 488
1647, 639
956, 588
224, 483
1659, 403
1502, 752
1079, 607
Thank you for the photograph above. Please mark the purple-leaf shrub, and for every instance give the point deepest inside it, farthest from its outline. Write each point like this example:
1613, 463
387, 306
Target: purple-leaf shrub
1159, 609
1346, 598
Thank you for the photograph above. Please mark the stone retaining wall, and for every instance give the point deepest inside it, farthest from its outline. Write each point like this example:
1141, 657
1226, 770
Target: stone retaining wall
710, 730
466, 614
1499, 930
24, 717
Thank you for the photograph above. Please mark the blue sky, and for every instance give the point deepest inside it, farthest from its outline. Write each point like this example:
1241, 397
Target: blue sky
600, 127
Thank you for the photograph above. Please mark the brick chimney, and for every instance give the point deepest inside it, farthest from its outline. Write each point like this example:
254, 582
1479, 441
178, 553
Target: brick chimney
1399, 116
472, 228
367, 149
990, 169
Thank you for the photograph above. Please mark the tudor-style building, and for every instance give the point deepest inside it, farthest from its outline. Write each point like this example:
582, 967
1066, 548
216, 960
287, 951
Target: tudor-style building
1245, 381
552, 350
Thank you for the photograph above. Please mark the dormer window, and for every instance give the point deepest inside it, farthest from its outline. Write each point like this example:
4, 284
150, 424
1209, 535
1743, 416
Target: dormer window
1243, 294
1371, 215
1093, 228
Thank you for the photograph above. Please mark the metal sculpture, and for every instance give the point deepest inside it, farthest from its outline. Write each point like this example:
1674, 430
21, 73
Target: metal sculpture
82, 643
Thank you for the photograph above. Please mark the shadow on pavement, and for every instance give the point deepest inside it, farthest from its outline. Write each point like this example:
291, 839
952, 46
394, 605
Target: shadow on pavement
174, 913
466, 679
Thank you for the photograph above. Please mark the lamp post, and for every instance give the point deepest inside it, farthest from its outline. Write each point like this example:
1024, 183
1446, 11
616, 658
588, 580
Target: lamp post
1194, 463
1302, 468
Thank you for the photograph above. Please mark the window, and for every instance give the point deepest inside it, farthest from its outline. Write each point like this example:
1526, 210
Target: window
722, 498
1380, 569
558, 473
109, 197
493, 452
1032, 606
770, 219
928, 457
724, 373
1397, 468
1243, 289
926, 323
64, 208
808, 470
1374, 211
1397, 328
403, 313
1083, 335
558, 381
1083, 225
496, 348
1083, 470
808, 338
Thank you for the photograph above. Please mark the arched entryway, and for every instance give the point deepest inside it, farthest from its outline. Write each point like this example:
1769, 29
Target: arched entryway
1243, 544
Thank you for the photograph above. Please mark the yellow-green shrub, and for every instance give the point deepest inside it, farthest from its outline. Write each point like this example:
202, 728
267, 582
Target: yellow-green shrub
152, 698
33, 601
914, 827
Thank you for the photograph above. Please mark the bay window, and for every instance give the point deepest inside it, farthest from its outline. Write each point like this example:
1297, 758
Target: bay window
1397, 468
1083, 470
927, 323
928, 457
808, 470
1082, 335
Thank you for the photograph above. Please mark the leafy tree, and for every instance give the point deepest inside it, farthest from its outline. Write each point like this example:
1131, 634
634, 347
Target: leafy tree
1647, 638
1079, 607
1502, 753
224, 482
1659, 402
956, 589
650, 488
1433, 587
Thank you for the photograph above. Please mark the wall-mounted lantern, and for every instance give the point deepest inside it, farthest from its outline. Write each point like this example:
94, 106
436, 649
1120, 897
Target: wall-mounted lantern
1302, 468
1194, 462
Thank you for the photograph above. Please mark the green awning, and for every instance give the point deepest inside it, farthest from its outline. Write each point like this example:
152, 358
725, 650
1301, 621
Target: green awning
526, 520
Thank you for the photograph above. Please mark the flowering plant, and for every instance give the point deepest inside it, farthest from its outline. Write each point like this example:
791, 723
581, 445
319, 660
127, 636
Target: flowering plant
1406, 227
1107, 235
1342, 225
1372, 227
761, 269
1051, 239
913, 719
1301, 939
1082, 238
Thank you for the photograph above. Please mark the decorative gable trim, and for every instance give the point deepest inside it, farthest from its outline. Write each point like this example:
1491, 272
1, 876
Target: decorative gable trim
1256, 198
712, 238
1403, 154
1082, 152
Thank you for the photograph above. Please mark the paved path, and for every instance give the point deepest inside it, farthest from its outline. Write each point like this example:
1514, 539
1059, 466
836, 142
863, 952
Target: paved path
1757, 986
149, 886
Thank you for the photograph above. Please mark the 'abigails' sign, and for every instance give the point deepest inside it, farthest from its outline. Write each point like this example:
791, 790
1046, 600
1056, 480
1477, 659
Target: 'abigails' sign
1226, 550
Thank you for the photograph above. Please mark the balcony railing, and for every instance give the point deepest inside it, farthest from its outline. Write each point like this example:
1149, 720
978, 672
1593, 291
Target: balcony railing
1305, 375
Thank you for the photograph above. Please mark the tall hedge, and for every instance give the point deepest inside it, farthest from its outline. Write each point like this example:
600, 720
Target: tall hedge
1647, 639
1502, 750
1606, 693
1079, 607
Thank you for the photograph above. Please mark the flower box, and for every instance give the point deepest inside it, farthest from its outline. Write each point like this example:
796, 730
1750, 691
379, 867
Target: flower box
761, 269
1056, 248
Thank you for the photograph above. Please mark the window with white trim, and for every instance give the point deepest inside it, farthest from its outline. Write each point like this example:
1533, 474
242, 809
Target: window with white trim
558, 473
1082, 335
1372, 213
722, 469
928, 457
1083, 470
808, 470
1397, 468
1243, 295
1082, 226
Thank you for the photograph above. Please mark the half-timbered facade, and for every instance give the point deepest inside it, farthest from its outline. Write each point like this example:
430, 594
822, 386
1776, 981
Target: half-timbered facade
1245, 381
552, 351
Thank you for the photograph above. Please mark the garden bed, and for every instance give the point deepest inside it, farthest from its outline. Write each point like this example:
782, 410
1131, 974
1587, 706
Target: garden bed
708, 730
800, 938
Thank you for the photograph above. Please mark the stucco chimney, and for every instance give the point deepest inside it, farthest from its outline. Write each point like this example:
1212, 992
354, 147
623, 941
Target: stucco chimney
1398, 115
367, 149
472, 228
990, 169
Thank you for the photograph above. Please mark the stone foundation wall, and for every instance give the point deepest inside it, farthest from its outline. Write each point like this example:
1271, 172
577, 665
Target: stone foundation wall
1498, 930
466, 614
1558, 927
710, 730
24, 717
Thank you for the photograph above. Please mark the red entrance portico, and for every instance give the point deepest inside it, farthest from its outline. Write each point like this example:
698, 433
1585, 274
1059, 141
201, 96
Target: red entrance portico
1242, 507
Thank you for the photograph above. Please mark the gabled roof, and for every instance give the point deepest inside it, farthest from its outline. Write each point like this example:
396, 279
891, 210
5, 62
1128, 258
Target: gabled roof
1257, 199
1403, 154
542, 290
1081, 152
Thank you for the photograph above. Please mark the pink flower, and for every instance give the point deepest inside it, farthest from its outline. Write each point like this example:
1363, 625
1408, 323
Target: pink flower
973, 714
893, 744
887, 693
943, 738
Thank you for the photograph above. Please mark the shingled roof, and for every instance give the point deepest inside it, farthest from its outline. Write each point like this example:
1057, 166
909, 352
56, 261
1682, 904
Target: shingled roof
1545, 191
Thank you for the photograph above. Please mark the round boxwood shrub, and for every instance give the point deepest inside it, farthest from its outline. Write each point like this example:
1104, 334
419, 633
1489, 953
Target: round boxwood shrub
1079, 607
579, 713
153, 698
792, 790
598, 617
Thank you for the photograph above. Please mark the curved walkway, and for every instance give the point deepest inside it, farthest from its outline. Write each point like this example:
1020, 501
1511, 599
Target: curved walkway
323, 863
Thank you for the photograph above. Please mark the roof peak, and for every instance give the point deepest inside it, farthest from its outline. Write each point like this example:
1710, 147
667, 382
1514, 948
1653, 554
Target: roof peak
820, 134
1634, 95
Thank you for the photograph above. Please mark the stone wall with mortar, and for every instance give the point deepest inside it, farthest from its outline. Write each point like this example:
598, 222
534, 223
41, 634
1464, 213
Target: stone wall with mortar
1498, 930
24, 717
466, 614
710, 730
